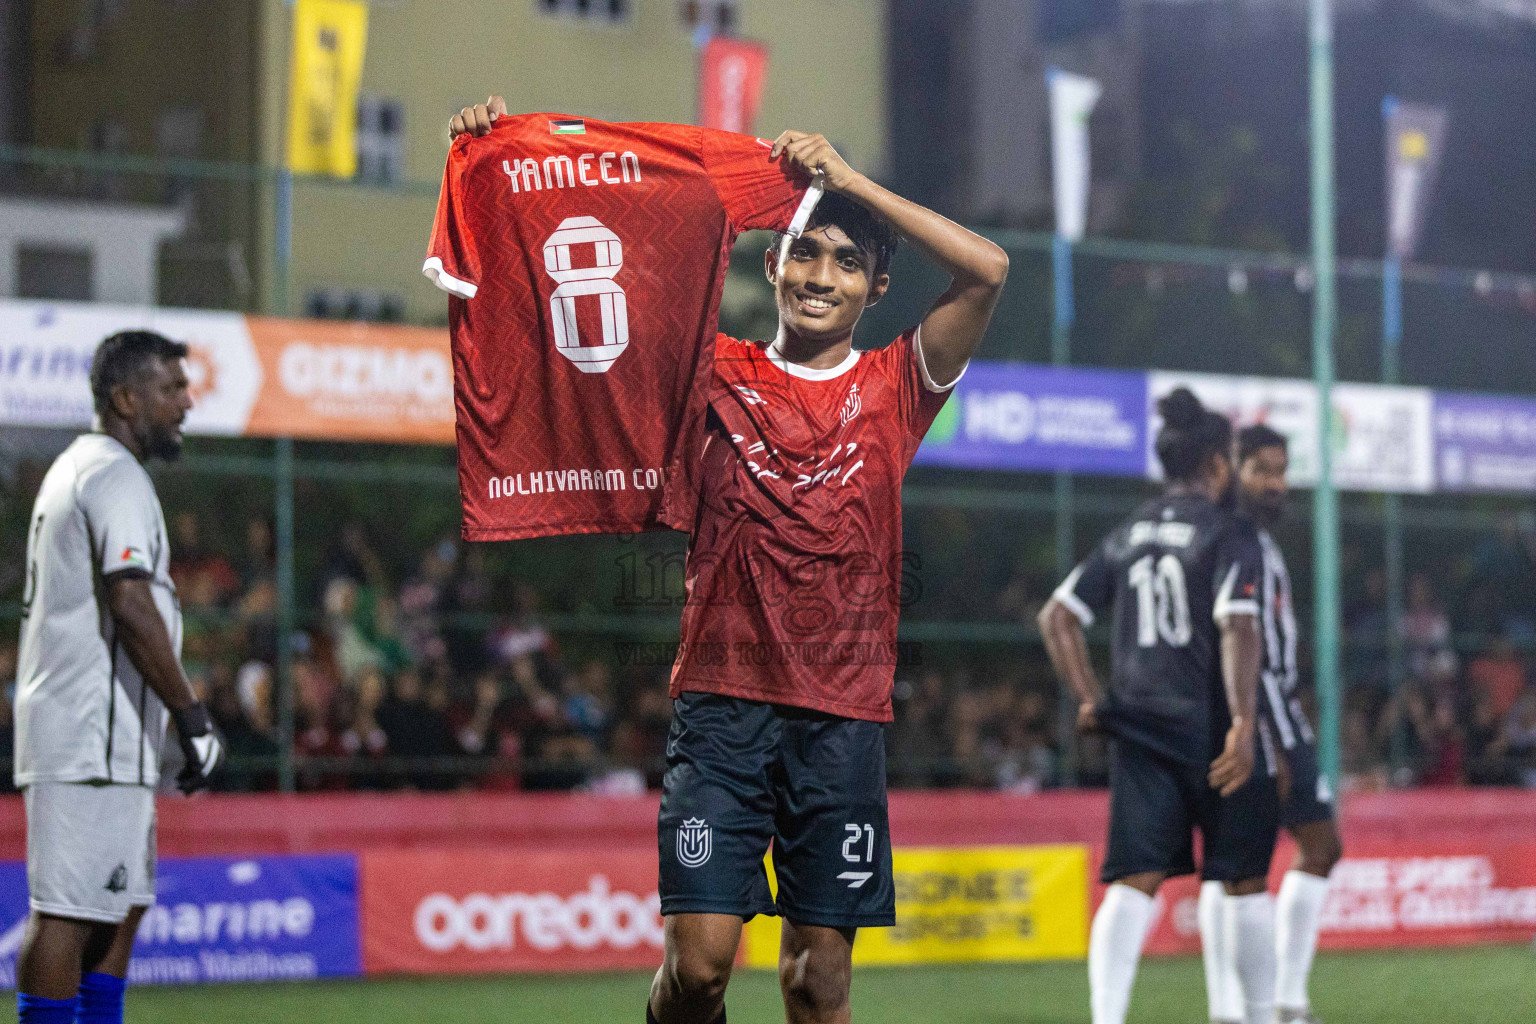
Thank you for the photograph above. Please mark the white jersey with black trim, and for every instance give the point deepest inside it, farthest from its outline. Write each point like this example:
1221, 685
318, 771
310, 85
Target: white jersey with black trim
83, 712
1278, 675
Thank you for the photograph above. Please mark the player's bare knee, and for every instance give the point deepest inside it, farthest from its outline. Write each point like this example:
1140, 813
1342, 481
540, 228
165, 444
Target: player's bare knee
697, 975
815, 988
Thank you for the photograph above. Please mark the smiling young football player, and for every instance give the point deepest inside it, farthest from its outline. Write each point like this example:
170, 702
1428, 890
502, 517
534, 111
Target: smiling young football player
783, 678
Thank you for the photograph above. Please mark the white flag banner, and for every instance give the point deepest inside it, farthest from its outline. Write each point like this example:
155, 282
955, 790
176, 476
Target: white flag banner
1415, 140
1072, 101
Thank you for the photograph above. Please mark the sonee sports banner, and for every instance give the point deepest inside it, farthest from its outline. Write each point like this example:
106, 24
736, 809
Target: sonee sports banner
968, 904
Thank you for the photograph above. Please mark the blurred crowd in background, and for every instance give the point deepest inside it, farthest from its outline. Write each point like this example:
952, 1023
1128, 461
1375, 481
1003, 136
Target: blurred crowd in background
441, 676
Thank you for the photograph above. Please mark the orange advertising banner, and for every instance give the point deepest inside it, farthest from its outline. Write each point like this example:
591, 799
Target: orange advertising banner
351, 381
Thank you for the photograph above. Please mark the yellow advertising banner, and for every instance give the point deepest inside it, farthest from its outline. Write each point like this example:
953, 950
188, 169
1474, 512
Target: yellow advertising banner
329, 39
969, 903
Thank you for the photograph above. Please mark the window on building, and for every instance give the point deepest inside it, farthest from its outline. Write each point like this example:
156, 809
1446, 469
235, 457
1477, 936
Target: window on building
354, 304
53, 272
718, 16
592, 10
380, 140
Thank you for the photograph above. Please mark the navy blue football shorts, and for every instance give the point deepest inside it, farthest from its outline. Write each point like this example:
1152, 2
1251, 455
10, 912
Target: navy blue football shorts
743, 775
1310, 799
1157, 803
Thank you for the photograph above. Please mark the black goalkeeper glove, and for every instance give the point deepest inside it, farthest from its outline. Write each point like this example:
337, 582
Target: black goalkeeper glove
201, 745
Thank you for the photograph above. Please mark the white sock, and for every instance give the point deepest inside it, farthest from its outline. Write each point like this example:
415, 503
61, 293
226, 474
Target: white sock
1298, 911
1114, 950
1223, 991
1250, 933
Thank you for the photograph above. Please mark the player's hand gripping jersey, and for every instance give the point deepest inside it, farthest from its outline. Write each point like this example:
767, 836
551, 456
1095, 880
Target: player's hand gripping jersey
794, 573
1171, 573
587, 260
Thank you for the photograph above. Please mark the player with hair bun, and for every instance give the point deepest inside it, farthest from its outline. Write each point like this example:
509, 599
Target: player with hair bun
1180, 577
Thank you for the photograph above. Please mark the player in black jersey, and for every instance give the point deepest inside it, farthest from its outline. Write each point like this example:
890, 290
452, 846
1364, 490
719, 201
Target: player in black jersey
1182, 577
1306, 802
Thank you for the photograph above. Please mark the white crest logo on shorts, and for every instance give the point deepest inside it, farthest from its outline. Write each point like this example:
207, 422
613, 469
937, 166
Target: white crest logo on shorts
693, 843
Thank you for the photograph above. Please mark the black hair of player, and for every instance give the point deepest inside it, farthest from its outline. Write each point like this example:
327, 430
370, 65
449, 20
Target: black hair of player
1191, 434
1256, 438
864, 229
123, 358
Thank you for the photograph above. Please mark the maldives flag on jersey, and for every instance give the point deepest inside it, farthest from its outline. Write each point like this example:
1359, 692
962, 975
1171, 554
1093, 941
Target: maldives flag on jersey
585, 260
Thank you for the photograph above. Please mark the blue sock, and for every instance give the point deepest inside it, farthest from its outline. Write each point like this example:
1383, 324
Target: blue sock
37, 1010
101, 999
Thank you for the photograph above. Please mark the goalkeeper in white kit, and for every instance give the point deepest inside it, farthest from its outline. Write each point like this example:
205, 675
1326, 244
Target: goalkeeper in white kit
98, 675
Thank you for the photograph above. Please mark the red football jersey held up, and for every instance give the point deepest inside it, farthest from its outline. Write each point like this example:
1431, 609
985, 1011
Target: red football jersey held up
586, 260
795, 569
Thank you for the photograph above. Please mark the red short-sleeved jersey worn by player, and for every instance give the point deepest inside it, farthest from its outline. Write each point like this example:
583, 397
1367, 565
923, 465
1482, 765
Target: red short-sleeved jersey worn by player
586, 260
795, 566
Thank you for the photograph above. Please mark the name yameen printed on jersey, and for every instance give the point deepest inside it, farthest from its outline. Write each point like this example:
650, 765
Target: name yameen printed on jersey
550, 481
529, 175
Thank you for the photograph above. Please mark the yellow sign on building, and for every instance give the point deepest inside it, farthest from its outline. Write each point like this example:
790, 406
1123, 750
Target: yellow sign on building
975, 903
329, 39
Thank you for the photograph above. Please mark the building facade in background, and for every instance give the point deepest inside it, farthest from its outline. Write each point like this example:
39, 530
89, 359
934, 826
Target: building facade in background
181, 80
970, 114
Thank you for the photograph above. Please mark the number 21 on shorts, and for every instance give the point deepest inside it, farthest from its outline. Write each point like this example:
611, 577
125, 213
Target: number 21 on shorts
858, 835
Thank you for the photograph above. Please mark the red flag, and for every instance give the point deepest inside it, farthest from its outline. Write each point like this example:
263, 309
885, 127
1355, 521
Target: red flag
731, 75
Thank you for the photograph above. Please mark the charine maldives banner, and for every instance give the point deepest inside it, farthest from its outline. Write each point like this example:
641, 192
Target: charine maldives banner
227, 919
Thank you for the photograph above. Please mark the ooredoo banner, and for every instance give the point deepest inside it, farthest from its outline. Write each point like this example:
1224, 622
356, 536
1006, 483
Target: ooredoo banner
227, 919
480, 911
1391, 895
969, 904
252, 376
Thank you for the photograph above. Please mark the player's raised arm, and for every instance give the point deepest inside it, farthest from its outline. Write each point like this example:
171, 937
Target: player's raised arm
978, 268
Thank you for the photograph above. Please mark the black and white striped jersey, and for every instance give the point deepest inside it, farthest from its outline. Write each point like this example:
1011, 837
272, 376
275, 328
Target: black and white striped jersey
1278, 701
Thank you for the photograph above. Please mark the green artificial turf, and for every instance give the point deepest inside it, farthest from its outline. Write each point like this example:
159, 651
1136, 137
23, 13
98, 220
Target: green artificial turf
1479, 985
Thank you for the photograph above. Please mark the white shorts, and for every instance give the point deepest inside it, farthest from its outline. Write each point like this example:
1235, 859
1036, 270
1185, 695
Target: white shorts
90, 849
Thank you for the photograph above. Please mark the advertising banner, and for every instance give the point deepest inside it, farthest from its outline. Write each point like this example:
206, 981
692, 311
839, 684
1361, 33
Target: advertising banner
329, 38
352, 381
45, 361
1014, 416
251, 376
1415, 140
227, 919
731, 77
1073, 98
962, 904
1385, 895
1383, 438
1484, 443
482, 911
